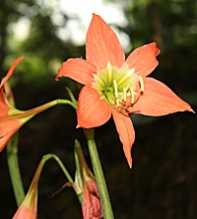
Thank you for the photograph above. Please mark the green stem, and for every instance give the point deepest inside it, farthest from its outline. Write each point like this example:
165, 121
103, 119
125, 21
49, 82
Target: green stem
33, 189
12, 150
31, 112
56, 102
14, 170
61, 165
99, 175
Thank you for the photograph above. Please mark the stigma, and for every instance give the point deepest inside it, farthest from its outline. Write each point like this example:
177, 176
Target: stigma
119, 87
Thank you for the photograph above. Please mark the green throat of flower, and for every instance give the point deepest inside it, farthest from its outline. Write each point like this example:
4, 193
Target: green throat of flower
120, 87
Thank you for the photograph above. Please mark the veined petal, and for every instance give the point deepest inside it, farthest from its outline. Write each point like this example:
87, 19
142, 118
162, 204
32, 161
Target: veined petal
11, 71
102, 45
8, 127
159, 100
4, 140
143, 59
126, 133
91, 110
3, 104
78, 70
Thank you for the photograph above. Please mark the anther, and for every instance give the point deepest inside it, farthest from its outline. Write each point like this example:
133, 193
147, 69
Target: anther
141, 84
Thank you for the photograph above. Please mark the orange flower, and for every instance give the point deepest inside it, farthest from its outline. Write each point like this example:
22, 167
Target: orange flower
11, 119
8, 123
115, 86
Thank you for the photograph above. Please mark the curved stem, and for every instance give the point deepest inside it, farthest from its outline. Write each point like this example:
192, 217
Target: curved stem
54, 103
14, 170
12, 151
38, 109
99, 175
61, 165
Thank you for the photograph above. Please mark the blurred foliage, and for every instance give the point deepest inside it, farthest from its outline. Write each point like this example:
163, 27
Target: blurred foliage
163, 181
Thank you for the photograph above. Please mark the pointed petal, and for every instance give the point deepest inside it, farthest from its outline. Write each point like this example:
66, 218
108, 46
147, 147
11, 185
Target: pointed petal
159, 100
3, 104
143, 59
8, 127
77, 69
126, 133
91, 110
4, 140
11, 71
102, 45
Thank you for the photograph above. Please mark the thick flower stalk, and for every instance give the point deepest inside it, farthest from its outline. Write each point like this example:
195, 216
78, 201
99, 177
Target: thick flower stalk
118, 87
86, 187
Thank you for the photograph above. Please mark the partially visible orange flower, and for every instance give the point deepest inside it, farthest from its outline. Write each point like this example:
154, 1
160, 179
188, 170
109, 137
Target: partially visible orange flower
11, 119
9, 124
118, 87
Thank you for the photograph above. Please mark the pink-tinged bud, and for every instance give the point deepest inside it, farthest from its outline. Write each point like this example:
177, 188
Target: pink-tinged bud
85, 186
28, 209
24, 213
91, 206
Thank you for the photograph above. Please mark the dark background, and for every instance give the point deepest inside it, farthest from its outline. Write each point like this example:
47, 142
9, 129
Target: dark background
162, 183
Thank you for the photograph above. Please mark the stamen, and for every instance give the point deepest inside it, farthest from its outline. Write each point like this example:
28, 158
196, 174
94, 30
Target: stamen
117, 102
120, 87
132, 96
124, 94
115, 88
141, 84
109, 68
98, 79
126, 76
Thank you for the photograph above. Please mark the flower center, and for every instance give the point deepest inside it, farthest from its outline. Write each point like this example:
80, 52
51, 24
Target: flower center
120, 87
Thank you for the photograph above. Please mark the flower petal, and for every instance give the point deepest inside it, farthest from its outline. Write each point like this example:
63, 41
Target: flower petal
91, 206
159, 100
4, 140
126, 133
11, 71
8, 127
143, 59
3, 104
78, 70
25, 212
91, 110
102, 45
